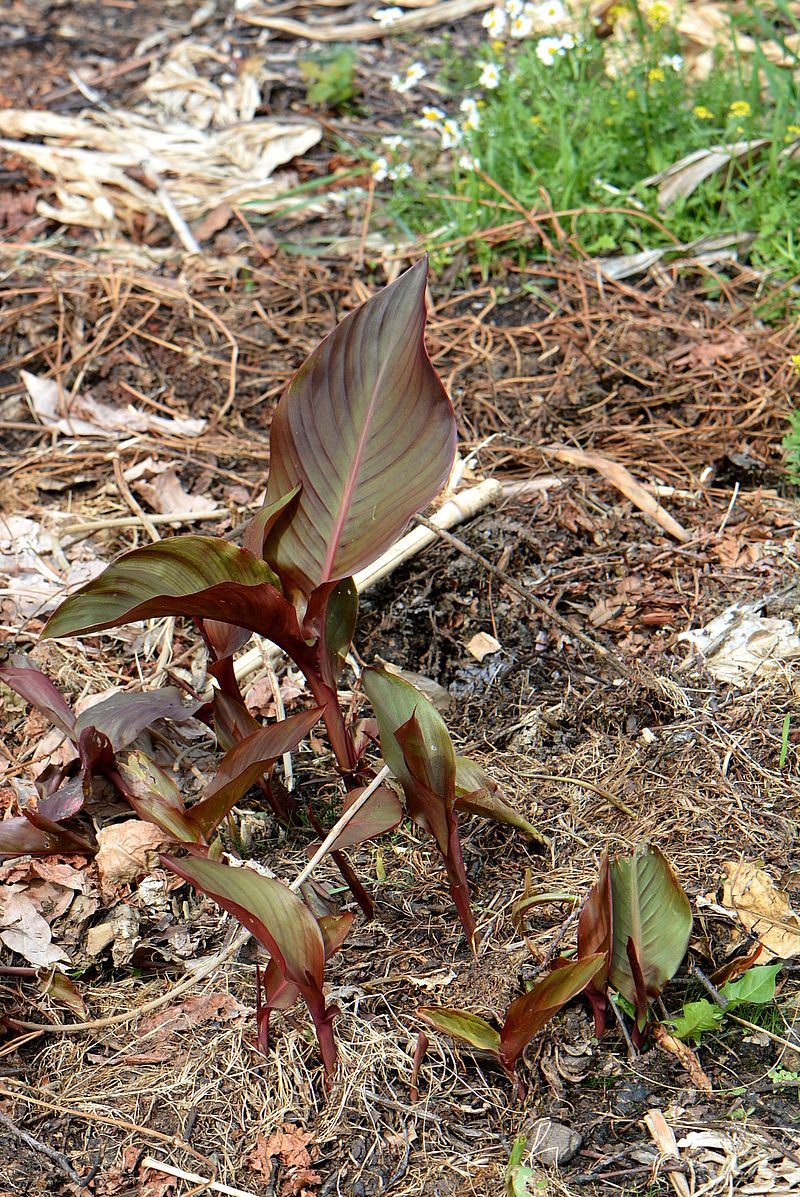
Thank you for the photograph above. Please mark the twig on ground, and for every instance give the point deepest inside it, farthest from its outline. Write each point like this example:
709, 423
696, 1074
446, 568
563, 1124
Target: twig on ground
54, 1156
588, 785
11, 1094
213, 1185
538, 604
127, 494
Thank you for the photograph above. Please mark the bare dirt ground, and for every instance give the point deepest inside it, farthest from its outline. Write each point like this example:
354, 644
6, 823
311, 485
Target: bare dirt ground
691, 395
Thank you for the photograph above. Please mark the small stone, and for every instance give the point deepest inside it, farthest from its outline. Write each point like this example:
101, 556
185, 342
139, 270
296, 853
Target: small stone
552, 1143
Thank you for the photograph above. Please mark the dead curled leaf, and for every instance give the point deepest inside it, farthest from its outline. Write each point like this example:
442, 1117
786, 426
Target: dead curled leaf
206, 1007
290, 1146
681, 178
126, 852
23, 930
763, 909
81, 415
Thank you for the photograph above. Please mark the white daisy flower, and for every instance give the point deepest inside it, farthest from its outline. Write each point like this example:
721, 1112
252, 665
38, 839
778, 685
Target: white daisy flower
551, 12
521, 26
401, 171
472, 116
394, 142
431, 117
467, 162
566, 42
380, 169
495, 21
673, 60
409, 79
451, 133
514, 8
490, 76
387, 16
548, 49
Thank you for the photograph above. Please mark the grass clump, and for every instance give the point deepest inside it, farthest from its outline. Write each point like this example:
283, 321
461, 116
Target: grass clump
547, 113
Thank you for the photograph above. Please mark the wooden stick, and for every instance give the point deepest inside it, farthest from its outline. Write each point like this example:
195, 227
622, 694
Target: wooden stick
367, 31
338, 827
214, 1185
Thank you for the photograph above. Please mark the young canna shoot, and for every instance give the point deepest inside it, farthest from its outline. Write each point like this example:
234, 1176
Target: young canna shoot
523, 1019
283, 924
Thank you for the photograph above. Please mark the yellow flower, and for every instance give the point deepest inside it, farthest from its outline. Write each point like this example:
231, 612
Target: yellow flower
795, 360
656, 75
616, 12
792, 131
703, 113
498, 47
536, 120
739, 108
631, 93
658, 14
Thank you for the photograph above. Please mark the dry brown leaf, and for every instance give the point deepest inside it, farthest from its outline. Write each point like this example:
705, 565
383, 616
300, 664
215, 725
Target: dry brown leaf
97, 160
81, 415
126, 853
290, 1146
483, 645
443, 13
216, 220
23, 930
708, 353
625, 482
681, 178
206, 1007
684, 1055
763, 909
165, 494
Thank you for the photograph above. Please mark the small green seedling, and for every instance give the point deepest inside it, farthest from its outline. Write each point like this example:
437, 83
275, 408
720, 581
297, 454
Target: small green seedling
330, 77
756, 987
521, 1181
787, 723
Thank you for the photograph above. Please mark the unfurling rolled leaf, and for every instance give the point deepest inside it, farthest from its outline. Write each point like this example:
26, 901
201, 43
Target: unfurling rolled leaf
245, 763
426, 765
469, 1028
280, 994
417, 748
202, 577
155, 797
367, 429
262, 522
595, 935
281, 922
478, 794
528, 1013
341, 610
652, 922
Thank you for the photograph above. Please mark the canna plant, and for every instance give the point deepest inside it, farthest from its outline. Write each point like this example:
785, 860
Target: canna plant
363, 437
633, 932
639, 919
525, 1016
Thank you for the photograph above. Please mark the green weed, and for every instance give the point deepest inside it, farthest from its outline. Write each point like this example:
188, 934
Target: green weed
537, 121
